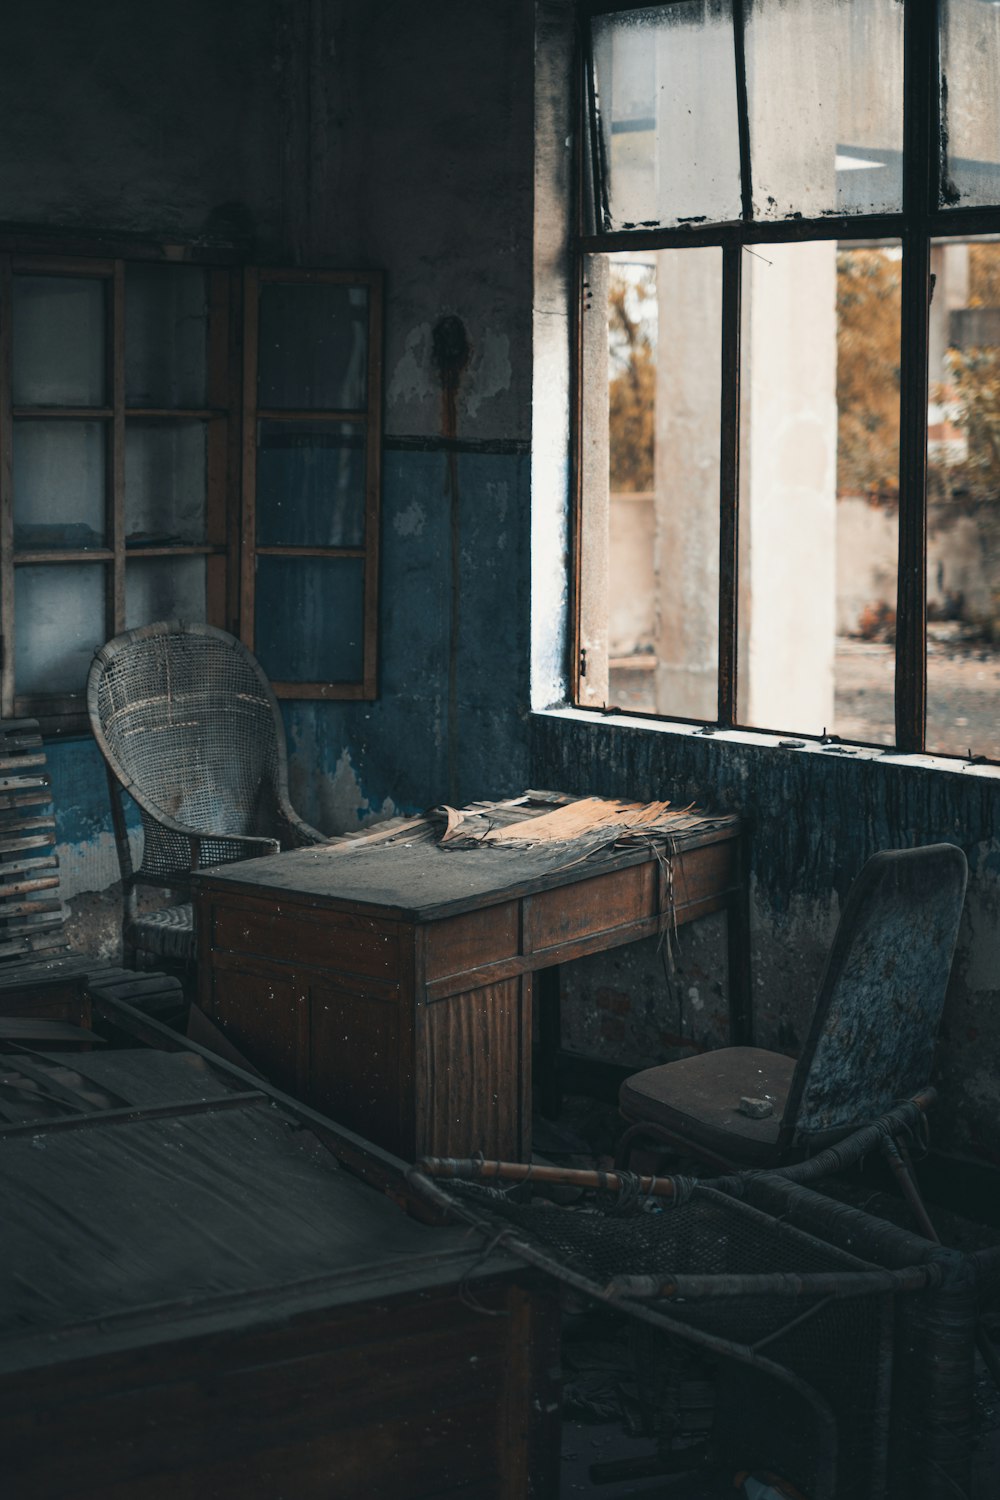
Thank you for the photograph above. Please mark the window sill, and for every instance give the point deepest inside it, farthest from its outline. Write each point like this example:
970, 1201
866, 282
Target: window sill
758, 739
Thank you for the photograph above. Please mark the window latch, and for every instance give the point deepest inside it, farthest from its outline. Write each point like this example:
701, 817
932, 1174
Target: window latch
583, 661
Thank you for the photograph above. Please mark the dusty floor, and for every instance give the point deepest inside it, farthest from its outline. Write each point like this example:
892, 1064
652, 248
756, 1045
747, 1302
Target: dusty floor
602, 1422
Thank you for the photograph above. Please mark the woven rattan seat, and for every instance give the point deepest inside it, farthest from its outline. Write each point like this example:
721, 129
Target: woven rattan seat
189, 727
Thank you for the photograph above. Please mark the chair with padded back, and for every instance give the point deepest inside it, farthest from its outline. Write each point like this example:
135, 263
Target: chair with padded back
870, 1043
189, 727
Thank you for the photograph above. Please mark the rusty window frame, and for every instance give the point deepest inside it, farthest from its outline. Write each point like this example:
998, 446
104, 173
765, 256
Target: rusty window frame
919, 222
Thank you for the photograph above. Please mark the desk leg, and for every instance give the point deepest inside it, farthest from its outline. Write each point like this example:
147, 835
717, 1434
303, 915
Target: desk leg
549, 1041
738, 944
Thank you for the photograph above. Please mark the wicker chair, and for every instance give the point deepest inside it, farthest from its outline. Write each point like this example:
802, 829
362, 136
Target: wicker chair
188, 725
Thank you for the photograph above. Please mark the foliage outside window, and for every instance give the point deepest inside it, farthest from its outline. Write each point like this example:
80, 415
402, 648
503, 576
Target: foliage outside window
129, 484
789, 507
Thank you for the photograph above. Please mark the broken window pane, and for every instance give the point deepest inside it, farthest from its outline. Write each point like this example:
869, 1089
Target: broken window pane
970, 105
164, 588
963, 500
59, 343
819, 490
166, 336
651, 522
59, 484
310, 485
825, 92
58, 625
309, 615
313, 346
165, 483
666, 95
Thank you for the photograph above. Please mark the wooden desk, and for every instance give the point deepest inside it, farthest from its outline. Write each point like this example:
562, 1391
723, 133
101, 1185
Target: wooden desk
389, 983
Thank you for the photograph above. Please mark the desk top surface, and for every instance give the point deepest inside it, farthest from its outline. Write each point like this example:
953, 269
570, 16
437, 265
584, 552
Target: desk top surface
448, 862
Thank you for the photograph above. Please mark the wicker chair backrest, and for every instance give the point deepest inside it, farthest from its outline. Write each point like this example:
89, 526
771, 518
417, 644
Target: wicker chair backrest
189, 724
871, 1042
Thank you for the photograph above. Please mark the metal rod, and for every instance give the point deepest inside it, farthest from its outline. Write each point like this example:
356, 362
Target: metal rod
471, 1169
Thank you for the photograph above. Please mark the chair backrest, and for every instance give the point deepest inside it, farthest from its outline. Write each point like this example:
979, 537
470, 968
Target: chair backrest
187, 721
871, 1042
31, 912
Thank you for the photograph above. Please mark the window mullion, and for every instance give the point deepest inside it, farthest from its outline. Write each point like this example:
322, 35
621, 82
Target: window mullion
6, 497
116, 596
743, 111
729, 479
918, 187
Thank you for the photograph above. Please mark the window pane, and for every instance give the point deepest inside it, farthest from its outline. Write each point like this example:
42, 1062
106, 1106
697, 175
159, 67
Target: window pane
819, 490
963, 495
825, 94
164, 588
59, 484
165, 483
666, 87
313, 346
59, 624
310, 485
310, 618
59, 341
166, 335
651, 494
970, 105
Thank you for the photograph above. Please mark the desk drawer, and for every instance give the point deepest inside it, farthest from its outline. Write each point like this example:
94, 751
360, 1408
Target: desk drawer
558, 918
313, 939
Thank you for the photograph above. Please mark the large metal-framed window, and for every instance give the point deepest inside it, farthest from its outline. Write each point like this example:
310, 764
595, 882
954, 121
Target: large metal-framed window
157, 459
707, 157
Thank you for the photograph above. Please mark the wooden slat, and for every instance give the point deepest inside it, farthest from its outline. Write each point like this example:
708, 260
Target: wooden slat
468, 1071
28, 909
32, 841
15, 762
23, 887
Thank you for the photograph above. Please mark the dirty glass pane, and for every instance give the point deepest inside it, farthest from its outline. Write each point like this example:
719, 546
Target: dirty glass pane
58, 625
59, 484
310, 484
963, 500
666, 96
310, 618
825, 95
164, 588
165, 483
662, 333
819, 490
166, 336
313, 346
970, 102
59, 341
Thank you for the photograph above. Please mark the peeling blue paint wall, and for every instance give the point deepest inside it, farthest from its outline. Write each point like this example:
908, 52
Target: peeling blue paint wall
351, 762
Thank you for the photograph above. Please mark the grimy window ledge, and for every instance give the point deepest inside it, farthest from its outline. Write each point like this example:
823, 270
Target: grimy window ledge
602, 721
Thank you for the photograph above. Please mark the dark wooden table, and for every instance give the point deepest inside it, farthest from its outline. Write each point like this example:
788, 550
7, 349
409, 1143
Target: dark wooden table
209, 1290
389, 982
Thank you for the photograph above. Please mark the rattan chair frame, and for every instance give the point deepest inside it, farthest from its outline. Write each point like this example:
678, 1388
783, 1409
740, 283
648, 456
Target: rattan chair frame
175, 848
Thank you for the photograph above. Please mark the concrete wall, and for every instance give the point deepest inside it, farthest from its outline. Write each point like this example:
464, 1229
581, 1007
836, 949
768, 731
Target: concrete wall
331, 132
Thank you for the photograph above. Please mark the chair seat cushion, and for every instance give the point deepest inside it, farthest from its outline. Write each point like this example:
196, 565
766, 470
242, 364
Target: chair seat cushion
167, 931
698, 1098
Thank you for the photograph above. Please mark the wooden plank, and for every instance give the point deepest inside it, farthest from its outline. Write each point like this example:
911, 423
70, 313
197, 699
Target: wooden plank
459, 944
373, 488
468, 1074
354, 1072
599, 905
277, 930
268, 1020
344, 1397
